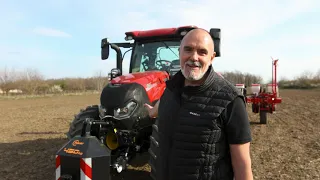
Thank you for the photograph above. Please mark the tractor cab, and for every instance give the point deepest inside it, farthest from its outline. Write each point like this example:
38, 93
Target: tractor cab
156, 56
153, 50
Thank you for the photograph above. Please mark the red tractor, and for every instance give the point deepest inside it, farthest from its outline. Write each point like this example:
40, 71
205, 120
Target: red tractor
114, 131
264, 99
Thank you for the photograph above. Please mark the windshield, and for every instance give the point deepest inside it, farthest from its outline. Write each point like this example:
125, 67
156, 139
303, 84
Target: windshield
149, 56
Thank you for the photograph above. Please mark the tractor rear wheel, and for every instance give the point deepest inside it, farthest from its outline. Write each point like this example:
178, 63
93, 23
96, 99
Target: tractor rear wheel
154, 149
77, 123
263, 117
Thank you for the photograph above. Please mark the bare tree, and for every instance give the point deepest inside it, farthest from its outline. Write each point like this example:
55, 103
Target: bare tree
7, 76
100, 80
238, 77
317, 75
7, 79
32, 81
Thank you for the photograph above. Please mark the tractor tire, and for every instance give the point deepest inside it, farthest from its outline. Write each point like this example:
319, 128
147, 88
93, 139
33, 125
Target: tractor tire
154, 149
255, 108
263, 117
77, 123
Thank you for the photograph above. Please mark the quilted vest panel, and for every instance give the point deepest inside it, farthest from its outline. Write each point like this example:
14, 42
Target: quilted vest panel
192, 137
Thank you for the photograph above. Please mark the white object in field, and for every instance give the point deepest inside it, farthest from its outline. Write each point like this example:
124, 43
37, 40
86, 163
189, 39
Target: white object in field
255, 88
240, 87
269, 89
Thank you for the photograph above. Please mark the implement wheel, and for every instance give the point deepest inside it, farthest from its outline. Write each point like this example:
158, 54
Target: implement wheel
263, 117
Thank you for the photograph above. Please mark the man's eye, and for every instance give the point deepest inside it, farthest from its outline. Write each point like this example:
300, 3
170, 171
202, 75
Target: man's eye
203, 52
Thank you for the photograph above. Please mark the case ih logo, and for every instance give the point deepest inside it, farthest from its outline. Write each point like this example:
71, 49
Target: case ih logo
77, 142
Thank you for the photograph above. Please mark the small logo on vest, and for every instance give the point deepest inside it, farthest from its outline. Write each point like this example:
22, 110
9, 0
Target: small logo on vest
195, 114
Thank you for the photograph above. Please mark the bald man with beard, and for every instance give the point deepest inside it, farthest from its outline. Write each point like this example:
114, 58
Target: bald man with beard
204, 131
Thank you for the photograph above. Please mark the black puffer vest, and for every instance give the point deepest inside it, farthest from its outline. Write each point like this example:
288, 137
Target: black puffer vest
193, 144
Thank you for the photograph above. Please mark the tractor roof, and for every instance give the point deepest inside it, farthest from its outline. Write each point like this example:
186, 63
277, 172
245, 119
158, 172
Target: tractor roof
162, 32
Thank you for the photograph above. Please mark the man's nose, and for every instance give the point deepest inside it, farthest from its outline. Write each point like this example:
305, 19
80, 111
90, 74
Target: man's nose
195, 56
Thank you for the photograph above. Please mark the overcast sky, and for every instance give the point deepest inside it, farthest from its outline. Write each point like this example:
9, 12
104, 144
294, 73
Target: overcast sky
61, 38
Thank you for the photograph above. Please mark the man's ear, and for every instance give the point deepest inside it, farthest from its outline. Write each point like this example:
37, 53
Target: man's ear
213, 56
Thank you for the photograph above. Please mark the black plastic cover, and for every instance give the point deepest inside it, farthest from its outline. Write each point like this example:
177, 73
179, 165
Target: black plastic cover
117, 96
84, 147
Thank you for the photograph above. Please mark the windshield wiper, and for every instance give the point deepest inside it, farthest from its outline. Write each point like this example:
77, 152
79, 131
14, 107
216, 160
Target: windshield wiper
169, 48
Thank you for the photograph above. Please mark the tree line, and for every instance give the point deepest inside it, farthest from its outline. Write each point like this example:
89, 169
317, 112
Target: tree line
306, 80
238, 77
31, 81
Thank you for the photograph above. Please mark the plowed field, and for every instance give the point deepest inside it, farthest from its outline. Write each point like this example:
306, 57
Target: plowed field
32, 130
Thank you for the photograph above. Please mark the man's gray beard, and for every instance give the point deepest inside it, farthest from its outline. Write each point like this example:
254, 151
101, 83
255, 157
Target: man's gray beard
192, 76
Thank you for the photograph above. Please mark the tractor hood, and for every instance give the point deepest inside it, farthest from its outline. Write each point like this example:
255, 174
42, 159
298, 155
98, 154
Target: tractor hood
152, 81
142, 78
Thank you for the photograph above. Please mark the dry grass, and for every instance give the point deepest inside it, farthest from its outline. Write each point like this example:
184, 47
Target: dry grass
32, 131
28, 96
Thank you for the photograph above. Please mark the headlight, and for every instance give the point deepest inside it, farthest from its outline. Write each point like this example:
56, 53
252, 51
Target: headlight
102, 111
125, 111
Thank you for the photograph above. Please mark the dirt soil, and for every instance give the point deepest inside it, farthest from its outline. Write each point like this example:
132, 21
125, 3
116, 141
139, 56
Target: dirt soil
33, 130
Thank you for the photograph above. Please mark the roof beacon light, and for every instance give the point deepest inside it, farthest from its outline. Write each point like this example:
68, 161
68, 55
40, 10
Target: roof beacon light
128, 38
183, 33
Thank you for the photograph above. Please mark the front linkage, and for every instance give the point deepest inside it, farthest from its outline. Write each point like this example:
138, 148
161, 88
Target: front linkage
99, 146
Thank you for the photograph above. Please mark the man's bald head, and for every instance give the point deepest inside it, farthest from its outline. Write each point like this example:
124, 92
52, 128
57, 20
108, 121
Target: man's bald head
196, 54
199, 33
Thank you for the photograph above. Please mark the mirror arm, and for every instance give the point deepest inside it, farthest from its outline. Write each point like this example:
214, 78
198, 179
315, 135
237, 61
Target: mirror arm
119, 56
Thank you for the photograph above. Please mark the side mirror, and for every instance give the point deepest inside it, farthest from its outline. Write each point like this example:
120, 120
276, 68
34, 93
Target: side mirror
216, 35
105, 49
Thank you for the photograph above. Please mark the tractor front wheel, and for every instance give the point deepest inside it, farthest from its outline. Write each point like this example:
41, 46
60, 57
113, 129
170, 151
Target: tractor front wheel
77, 123
154, 149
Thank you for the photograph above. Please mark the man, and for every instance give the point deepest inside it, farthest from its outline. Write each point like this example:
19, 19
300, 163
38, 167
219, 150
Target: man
245, 92
204, 132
